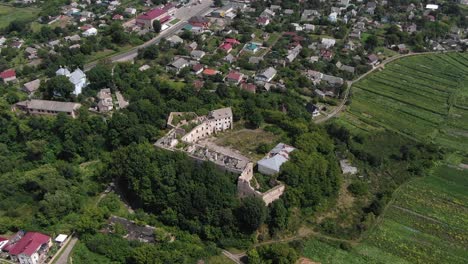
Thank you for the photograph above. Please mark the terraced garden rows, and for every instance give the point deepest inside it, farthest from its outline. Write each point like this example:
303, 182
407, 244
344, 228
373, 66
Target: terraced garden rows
426, 223
423, 96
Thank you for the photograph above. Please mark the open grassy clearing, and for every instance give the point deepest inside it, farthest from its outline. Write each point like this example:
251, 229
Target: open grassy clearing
10, 13
426, 223
246, 141
424, 97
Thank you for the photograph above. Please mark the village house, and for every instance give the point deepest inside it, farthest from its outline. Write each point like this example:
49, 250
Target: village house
249, 87
8, 75
197, 68
174, 40
266, 76
234, 77
373, 60
199, 21
90, 32
28, 247
271, 164
177, 65
105, 101
293, 53
32, 86
45, 107
197, 54
77, 78
263, 21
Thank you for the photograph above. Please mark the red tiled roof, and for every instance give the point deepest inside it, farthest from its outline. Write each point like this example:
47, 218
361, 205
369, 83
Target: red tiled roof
8, 74
152, 14
234, 76
164, 19
197, 67
231, 41
3, 239
210, 72
117, 16
226, 46
29, 244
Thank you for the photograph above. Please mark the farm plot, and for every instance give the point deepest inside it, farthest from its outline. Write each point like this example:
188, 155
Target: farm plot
9, 13
426, 223
424, 97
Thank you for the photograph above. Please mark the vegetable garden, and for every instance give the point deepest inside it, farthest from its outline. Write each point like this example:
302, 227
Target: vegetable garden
424, 97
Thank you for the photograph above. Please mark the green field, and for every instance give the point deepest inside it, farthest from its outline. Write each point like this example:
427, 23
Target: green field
10, 13
426, 223
424, 97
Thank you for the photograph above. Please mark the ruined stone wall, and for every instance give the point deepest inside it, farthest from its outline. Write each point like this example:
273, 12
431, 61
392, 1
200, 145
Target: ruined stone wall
273, 194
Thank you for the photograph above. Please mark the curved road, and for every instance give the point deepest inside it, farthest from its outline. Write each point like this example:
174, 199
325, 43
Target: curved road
184, 14
340, 107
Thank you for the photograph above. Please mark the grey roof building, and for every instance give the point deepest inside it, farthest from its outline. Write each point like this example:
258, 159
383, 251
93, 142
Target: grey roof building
271, 164
45, 107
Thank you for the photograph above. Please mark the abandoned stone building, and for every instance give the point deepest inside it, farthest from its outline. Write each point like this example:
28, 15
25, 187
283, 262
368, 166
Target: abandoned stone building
188, 134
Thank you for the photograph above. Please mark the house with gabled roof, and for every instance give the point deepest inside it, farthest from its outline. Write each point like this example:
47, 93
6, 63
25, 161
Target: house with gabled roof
31, 248
272, 162
8, 75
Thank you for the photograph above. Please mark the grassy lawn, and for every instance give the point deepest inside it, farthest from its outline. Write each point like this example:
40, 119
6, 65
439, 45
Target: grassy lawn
175, 21
273, 38
422, 97
426, 223
221, 259
246, 141
10, 13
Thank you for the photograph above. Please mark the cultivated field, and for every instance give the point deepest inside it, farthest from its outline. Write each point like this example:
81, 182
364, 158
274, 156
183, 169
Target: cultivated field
426, 223
424, 97
10, 13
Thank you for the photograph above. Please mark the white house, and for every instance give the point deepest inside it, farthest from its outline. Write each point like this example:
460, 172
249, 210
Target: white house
77, 78
267, 75
90, 32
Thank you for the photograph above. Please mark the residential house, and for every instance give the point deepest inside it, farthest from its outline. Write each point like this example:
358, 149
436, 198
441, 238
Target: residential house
373, 60
199, 21
209, 72
293, 53
333, 17
30, 248
197, 68
130, 11
45, 107
177, 65
326, 55
197, 54
268, 13
267, 75
347, 68
77, 78
313, 109
234, 77
332, 80
328, 43
32, 86
117, 17
226, 47
229, 58
174, 40
144, 67
8, 75
105, 101
90, 32
263, 21
309, 15
74, 38
32, 53
271, 164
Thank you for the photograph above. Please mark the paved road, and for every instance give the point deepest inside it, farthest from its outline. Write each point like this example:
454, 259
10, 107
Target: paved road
340, 107
63, 259
236, 258
184, 14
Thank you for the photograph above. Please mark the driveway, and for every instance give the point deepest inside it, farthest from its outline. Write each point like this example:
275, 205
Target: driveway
63, 259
